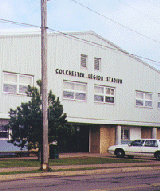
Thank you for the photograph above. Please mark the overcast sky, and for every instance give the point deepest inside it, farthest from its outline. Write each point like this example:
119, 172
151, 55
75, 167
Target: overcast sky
123, 22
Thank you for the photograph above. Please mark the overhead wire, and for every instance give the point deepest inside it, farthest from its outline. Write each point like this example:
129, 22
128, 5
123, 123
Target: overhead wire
132, 30
139, 12
148, 59
70, 36
18, 23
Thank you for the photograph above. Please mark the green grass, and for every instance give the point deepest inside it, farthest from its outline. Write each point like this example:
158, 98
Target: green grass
7, 163
58, 170
90, 160
19, 172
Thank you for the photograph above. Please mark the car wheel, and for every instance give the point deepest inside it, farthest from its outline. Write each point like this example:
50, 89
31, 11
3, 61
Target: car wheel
120, 153
130, 157
158, 156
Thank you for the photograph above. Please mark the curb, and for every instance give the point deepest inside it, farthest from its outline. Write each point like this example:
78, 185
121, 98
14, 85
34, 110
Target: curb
75, 173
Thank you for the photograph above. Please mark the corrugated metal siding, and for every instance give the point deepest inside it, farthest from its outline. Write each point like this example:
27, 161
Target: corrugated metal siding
19, 54
22, 54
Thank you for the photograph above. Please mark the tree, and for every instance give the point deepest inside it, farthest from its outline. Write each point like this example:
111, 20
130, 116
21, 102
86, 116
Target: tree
26, 121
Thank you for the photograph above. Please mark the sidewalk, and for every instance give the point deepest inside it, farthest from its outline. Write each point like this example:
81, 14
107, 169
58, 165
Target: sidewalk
100, 168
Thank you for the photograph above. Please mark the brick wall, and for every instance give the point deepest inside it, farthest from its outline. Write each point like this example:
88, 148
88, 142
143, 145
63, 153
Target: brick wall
146, 133
95, 140
107, 138
158, 133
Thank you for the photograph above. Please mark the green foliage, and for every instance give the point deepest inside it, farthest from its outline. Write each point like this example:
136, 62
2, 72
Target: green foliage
26, 121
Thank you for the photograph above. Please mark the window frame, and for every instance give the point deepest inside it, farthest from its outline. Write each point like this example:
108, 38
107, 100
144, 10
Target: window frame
75, 91
17, 84
99, 61
104, 95
123, 134
3, 130
143, 100
84, 58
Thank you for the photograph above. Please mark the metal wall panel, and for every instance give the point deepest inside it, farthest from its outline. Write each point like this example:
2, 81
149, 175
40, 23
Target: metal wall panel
22, 54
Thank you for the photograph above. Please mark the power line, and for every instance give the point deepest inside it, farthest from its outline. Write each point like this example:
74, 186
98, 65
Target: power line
99, 14
139, 12
104, 47
81, 39
148, 59
18, 23
69, 36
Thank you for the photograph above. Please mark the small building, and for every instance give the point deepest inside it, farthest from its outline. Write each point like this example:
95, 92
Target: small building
109, 95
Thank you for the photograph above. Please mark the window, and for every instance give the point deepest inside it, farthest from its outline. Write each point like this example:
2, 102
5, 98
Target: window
3, 132
74, 90
159, 101
151, 143
84, 60
143, 99
16, 83
97, 63
125, 134
104, 94
137, 143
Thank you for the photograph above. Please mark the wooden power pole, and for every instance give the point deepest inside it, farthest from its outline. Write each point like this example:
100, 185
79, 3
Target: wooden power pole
44, 158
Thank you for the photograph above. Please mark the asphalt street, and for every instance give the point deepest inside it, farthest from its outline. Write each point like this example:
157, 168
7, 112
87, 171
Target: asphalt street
129, 181
141, 176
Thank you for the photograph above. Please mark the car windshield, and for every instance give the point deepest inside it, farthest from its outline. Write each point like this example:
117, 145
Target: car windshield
137, 143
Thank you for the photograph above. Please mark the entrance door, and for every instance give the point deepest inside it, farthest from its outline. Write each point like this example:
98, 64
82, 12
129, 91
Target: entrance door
83, 138
77, 139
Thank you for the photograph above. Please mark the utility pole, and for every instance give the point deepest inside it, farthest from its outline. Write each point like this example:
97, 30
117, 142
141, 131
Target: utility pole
44, 158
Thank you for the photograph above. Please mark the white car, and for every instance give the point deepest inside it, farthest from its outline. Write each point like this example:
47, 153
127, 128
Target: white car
141, 147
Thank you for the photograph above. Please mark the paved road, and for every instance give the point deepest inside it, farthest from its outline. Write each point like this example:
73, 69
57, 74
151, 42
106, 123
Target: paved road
131, 181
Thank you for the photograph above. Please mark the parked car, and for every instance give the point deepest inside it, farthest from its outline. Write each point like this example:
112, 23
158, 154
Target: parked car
141, 147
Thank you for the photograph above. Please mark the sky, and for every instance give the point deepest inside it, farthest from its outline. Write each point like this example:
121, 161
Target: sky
133, 25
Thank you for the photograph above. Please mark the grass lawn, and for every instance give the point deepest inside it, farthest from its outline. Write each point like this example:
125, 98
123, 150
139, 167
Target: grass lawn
7, 163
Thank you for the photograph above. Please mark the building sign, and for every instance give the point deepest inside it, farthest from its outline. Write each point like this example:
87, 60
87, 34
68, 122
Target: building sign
90, 76
69, 72
115, 80
95, 77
